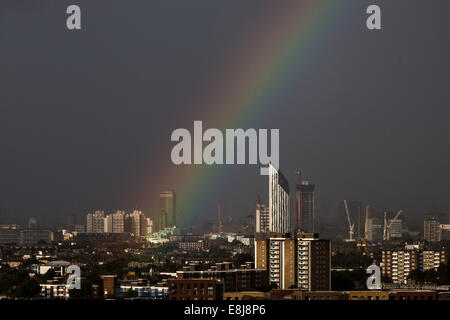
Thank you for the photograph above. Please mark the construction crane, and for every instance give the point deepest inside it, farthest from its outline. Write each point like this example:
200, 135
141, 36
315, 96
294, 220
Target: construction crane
387, 227
350, 225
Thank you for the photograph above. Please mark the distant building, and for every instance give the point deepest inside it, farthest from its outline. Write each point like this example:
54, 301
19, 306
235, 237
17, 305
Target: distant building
34, 236
243, 278
262, 218
374, 229
396, 228
196, 246
145, 291
136, 223
115, 222
9, 234
433, 259
95, 222
79, 228
168, 216
32, 223
149, 225
279, 214
397, 265
431, 229
195, 289
305, 207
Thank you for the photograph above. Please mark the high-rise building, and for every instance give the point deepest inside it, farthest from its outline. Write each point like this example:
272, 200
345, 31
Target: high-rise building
115, 222
282, 264
431, 229
168, 216
95, 222
149, 224
305, 207
374, 229
262, 218
136, 223
303, 262
279, 216
314, 262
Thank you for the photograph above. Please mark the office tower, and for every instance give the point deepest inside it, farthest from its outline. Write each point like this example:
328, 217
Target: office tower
167, 209
136, 223
262, 218
314, 263
305, 207
115, 222
374, 229
279, 217
431, 229
95, 222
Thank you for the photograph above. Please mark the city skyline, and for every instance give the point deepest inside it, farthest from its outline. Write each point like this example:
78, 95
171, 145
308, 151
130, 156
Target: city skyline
363, 113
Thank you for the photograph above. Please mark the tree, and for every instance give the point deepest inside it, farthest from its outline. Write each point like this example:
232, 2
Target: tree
130, 294
29, 288
242, 259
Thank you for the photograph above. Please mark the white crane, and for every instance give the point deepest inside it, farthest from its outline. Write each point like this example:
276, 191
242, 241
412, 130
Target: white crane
386, 233
350, 225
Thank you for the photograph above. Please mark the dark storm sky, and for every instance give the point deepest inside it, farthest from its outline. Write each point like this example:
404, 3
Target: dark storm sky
86, 115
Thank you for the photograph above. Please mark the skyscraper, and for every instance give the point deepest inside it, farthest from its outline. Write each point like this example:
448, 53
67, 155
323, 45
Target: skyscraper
305, 207
431, 229
279, 217
167, 209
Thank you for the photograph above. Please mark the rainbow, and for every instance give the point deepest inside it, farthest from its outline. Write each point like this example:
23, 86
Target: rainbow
272, 52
